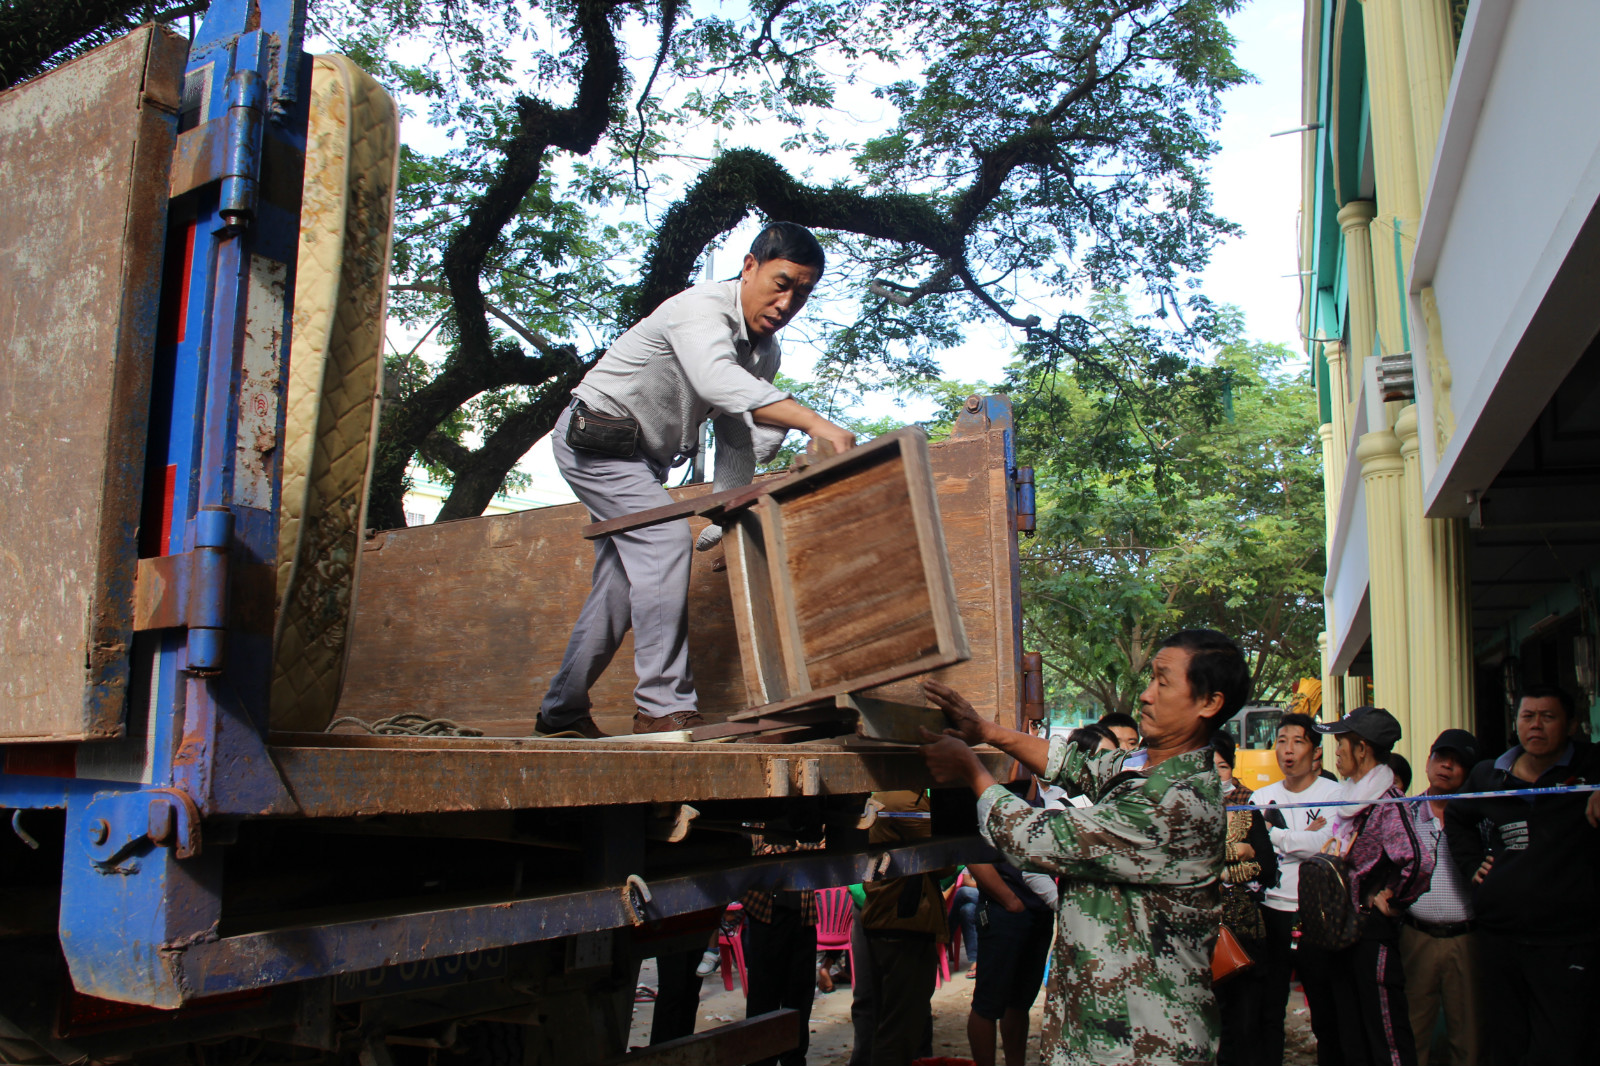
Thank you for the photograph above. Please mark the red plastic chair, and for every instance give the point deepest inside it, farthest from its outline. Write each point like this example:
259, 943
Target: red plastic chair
953, 949
732, 944
835, 910
943, 973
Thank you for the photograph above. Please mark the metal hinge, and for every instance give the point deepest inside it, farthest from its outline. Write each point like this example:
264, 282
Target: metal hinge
121, 823
1024, 490
1032, 687
190, 590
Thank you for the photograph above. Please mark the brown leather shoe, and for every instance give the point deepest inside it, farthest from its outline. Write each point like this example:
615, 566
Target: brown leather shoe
668, 723
583, 726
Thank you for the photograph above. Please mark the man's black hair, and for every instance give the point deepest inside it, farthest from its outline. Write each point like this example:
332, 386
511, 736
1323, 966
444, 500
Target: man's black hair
1117, 718
1215, 665
1549, 692
787, 240
1090, 737
1307, 724
1402, 770
1222, 743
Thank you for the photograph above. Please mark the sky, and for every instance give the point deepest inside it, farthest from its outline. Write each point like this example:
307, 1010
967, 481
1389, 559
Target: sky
1255, 181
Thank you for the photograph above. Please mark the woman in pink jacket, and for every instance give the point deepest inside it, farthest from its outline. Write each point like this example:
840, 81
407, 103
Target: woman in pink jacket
1389, 869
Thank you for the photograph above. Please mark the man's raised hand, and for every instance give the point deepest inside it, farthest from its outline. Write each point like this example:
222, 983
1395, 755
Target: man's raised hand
949, 760
964, 721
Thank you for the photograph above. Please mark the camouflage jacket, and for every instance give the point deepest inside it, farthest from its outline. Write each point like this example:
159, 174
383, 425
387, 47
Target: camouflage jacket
1130, 980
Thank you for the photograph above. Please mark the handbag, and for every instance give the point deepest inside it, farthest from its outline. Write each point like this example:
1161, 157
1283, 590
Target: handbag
1328, 915
1229, 956
592, 431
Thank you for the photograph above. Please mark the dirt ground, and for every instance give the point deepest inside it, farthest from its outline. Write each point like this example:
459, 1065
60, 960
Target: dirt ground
832, 1036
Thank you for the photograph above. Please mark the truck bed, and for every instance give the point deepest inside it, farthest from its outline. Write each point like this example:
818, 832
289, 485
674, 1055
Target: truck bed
467, 620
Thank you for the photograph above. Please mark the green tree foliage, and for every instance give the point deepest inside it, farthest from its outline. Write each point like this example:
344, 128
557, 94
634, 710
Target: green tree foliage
1210, 516
1026, 153
36, 35
1033, 150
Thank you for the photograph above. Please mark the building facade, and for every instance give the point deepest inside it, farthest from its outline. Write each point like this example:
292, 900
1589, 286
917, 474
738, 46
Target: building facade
1450, 259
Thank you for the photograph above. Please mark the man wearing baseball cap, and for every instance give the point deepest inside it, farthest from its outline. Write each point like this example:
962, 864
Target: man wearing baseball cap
1389, 869
1437, 946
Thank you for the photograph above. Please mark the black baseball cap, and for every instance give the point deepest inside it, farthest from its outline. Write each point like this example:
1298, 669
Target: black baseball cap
1372, 724
1459, 742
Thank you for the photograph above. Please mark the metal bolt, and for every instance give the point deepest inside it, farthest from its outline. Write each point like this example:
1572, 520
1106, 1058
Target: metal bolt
163, 821
99, 831
973, 403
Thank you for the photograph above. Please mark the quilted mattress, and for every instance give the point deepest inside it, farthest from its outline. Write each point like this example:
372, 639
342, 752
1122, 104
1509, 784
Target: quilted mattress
335, 380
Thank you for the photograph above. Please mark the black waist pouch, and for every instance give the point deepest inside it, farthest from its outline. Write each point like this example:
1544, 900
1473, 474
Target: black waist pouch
590, 431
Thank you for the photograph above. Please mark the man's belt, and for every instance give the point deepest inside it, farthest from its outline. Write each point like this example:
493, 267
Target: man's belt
1440, 930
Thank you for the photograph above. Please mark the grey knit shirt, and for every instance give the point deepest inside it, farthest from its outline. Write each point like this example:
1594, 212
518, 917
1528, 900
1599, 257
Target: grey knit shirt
693, 359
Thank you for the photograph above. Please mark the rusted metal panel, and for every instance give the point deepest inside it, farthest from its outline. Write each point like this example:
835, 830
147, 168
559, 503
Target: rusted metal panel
338, 775
84, 155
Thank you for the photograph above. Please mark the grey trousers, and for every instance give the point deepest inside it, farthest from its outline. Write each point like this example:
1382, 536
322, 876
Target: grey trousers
640, 580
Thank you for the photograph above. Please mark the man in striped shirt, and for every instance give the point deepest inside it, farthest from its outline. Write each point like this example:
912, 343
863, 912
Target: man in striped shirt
1437, 948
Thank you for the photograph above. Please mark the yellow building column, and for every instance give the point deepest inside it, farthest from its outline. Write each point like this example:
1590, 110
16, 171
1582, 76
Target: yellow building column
1452, 632
1419, 592
1339, 402
1439, 608
1430, 57
1394, 159
1355, 693
1332, 693
1332, 475
1355, 220
1383, 480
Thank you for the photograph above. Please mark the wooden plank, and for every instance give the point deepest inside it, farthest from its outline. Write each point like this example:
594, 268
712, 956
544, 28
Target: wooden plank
816, 471
791, 640
754, 614
84, 153
897, 723
794, 720
973, 491
427, 775
860, 596
916, 668
688, 507
940, 583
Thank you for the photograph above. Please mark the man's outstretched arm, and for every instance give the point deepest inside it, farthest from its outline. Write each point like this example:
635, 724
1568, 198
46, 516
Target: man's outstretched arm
967, 724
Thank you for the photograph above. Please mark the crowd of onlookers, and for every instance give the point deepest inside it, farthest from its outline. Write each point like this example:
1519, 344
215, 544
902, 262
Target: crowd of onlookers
1471, 933
1477, 932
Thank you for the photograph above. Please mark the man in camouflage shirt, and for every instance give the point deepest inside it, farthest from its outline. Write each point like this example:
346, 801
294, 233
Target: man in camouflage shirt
1140, 865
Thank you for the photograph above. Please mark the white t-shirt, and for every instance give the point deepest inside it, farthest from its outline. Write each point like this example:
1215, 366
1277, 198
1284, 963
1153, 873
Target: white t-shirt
1296, 842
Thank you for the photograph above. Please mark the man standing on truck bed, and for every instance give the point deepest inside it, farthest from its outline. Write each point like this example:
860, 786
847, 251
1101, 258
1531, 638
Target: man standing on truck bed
710, 351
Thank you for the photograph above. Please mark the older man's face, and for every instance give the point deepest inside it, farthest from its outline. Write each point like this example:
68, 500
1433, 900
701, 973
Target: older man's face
1542, 726
1168, 710
1446, 771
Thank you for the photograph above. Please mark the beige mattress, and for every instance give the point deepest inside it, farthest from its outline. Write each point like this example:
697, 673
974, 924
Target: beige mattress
335, 379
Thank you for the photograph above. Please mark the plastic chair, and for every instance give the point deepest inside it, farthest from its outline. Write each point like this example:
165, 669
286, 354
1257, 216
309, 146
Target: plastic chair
835, 913
731, 944
953, 949
943, 973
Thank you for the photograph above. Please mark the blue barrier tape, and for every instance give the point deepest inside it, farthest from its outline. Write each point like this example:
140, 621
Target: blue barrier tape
1551, 791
